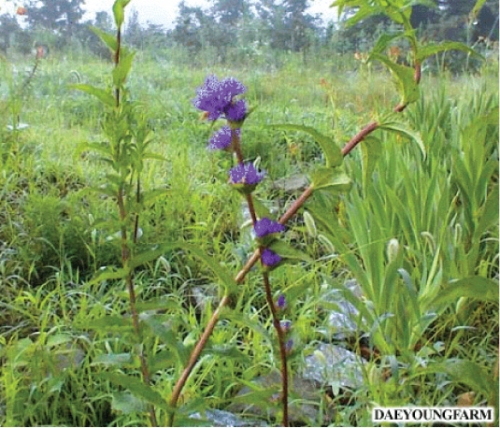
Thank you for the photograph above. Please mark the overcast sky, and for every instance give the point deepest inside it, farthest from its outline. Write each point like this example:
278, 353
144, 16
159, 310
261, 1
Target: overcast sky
163, 12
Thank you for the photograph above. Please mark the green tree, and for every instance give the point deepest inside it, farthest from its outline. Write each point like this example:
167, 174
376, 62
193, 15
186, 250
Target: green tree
60, 16
188, 27
286, 23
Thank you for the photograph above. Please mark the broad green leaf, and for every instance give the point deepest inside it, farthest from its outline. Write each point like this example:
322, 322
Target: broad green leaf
403, 129
108, 39
127, 403
121, 71
432, 49
114, 360
331, 179
222, 273
288, 252
474, 287
138, 388
404, 79
103, 95
333, 154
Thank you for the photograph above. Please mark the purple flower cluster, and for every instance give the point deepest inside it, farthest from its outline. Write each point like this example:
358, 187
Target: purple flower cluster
216, 97
265, 226
245, 173
222, 139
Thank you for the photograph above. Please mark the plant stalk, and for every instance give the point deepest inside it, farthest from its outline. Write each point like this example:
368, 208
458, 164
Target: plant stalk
292, 210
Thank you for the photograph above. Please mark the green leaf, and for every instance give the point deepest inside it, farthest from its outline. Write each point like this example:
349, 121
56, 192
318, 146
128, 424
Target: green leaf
432, 49
370, 154
403, 129
108, 324
489, 215
161, 361
153, 194
260, 209
404, 78
227, 351
333, 154
150, 255
138, 389
158, 303
222, 273
474, 287
329, 178
109, 273
119, 12
288, 252
468, 373
475, 10
121, 71
246, 321
127, 403
384, 40
104, 96
108, 39
114, 360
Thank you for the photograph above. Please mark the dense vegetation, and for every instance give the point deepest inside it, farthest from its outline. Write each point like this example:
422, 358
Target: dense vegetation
417, 229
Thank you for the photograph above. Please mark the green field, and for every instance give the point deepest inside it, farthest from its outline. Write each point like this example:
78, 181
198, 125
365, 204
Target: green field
426, 309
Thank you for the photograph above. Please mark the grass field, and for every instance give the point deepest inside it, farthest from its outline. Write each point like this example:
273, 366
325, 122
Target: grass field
439, 209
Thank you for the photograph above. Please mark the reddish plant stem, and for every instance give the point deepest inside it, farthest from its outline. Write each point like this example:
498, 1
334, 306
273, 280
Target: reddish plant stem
281, 343
132, 298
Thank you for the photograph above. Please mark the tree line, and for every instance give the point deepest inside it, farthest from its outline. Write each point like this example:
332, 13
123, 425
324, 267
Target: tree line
241, 25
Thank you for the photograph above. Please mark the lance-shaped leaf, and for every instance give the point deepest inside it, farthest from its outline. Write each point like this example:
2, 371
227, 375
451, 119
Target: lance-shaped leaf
103, 95
475, 10
370, 154
403, 129
138, 388
120, 72
287, 252
404, 79
384, 40
330, 178
432, 49
127, 403
150, 255
107, 39
474, 287
108, 273
222, 273
333, 154
119, 11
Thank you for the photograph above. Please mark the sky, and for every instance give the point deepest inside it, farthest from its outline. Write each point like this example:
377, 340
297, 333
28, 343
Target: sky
164, 12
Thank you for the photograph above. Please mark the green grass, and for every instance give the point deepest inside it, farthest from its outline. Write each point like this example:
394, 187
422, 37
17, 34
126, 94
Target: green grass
53, 238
